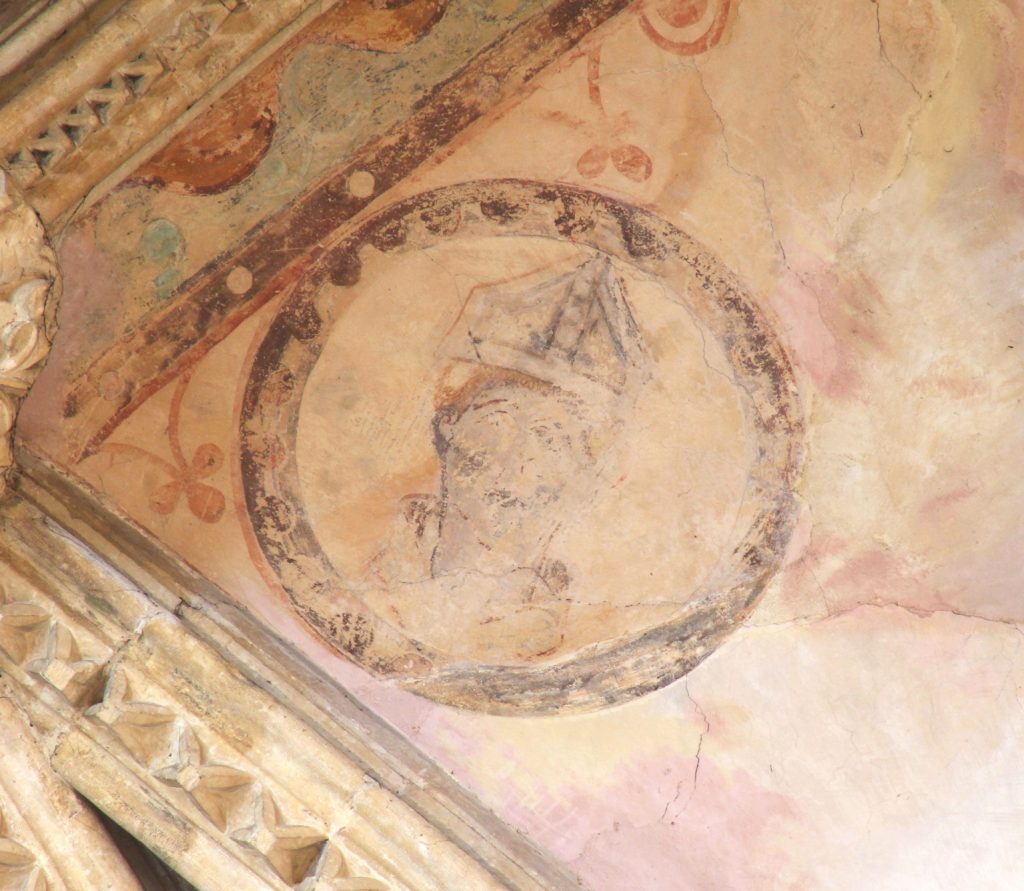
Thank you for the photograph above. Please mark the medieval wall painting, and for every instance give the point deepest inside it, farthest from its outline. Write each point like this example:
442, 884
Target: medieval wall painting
678, 355
468, 407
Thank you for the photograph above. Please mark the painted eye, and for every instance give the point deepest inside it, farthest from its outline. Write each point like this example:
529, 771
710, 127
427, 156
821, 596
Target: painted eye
473, 463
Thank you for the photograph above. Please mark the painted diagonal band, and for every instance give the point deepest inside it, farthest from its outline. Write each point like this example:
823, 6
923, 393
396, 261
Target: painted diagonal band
279, 250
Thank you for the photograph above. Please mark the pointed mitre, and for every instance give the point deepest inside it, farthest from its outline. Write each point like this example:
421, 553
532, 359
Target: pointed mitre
569, 325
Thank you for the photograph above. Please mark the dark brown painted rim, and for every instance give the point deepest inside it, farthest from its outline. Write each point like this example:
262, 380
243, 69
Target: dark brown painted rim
600, 674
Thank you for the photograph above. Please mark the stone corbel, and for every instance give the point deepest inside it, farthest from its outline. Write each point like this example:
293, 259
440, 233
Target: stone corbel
28, 302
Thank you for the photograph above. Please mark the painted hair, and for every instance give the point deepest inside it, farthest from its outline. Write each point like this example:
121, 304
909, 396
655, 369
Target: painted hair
452, 406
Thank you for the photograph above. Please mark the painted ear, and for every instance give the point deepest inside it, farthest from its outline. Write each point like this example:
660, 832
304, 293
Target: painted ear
599, 439
444, 426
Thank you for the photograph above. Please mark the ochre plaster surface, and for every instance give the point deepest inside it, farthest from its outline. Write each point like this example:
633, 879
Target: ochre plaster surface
856, 169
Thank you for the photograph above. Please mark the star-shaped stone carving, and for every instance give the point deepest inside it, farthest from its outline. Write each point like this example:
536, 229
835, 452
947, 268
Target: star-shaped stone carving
331, 872
154, 734
45, 648
290, 850
19, 870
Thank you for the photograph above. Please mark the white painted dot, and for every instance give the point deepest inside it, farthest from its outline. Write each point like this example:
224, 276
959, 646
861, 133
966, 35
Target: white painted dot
239, 280
361, 184
111, 386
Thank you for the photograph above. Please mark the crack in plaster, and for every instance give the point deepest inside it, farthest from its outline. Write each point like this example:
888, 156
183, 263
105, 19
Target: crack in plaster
757, 178
919, 612
696, 766
769, 217
884, 53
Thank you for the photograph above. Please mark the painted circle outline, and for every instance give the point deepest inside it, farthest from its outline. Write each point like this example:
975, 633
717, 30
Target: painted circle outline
599, 674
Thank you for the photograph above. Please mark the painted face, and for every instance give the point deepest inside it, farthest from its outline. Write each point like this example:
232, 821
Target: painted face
510, 462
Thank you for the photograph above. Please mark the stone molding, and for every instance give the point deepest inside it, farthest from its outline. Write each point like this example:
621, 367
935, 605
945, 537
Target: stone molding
28, 272
38, 25
207, 739
129, 81
49, 840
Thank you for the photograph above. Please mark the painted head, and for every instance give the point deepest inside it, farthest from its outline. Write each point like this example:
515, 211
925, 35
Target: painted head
551, 364
518, 455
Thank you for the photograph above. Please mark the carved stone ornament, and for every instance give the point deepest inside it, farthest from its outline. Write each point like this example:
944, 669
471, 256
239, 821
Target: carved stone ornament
28, 277
127, 81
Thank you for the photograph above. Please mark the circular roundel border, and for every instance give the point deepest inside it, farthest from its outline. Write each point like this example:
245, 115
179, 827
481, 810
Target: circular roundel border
600, 674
